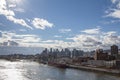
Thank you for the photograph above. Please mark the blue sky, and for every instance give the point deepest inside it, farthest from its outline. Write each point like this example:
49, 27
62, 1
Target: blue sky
82, 24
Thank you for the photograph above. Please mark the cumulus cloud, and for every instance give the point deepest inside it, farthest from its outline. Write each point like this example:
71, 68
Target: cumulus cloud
19, 10
41, 23
22, 30
57, 36
86, 40
48, 41
110, 33
64, 30
92, 31
10, 43
111, 38
5, 10
80, 41
113, 1
114, 12
18, 38
18, 21
31, 40
8, 8
56, 44
27, 38
91, 42
11, 5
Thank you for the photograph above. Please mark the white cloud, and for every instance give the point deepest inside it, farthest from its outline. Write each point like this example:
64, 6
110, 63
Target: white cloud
19, 10
8, 8
22, 30
9, 43
91, 42
57, 36
113, 1
114, 12
64, 30
111, 33
83, 39
5, 10
41, 23
28, 20
19, 38
116, 2
16, 2
6, 36
92, 31
31, 40
79, 41
56, 44
12, 5
18, 21
109, 39
48, 41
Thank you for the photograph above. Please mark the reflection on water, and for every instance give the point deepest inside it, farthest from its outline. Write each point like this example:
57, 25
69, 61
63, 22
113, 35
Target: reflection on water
11, 71
26, 70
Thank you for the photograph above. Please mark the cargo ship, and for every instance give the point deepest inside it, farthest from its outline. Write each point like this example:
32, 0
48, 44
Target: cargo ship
57, 64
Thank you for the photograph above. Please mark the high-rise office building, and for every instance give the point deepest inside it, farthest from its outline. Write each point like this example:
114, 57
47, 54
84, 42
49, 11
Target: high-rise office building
114, 50
100, 55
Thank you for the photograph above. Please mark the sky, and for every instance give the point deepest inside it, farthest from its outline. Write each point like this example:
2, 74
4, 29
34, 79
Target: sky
81, 24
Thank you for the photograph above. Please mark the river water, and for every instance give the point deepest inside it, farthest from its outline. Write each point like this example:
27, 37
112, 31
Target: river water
28, 70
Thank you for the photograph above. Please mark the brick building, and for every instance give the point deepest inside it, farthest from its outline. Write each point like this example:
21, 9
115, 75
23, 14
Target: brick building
100, 55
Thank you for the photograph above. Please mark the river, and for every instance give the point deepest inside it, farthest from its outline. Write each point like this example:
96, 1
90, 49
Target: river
28, 70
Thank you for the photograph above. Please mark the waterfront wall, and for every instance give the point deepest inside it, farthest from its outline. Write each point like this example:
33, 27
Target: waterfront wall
100, 63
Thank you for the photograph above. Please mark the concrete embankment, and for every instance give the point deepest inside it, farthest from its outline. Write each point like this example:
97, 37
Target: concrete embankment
110, 71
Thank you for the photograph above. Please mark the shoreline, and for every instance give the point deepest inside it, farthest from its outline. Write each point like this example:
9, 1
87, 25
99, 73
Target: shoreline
89, 68
93, 69
85, 68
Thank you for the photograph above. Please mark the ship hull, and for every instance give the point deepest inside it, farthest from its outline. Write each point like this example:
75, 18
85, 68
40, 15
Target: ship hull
60, 65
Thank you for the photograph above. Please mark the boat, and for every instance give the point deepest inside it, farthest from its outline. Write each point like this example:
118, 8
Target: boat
60, 65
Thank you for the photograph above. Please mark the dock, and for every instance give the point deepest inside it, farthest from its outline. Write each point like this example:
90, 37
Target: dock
110, 71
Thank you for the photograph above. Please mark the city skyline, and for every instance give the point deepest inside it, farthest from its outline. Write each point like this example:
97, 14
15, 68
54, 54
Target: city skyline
81, 24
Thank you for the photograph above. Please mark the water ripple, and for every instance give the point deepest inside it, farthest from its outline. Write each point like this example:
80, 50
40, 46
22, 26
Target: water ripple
27, 70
